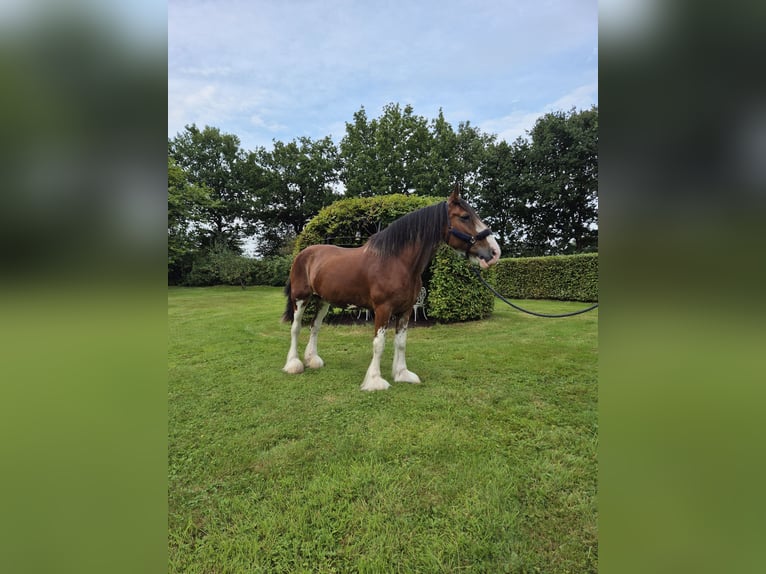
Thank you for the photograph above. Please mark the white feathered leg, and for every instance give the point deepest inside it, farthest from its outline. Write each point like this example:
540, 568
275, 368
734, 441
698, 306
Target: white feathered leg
399, 371
372, 380
310, 358
294, 365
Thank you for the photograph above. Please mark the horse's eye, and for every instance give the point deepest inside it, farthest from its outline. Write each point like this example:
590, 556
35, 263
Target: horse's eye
465, 217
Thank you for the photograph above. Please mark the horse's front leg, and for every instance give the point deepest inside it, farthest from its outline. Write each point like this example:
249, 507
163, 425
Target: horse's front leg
372, 380
400, 372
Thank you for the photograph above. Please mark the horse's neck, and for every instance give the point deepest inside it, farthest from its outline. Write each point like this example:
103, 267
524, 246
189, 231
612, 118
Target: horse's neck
418, 258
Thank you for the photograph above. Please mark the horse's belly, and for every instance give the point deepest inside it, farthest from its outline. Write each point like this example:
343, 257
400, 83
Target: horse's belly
342, 291
340, 277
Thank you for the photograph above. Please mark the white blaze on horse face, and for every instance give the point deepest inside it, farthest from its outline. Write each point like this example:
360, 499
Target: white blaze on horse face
493, 245
372, 380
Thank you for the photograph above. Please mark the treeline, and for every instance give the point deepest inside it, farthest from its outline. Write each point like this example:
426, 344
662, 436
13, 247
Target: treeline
539, 194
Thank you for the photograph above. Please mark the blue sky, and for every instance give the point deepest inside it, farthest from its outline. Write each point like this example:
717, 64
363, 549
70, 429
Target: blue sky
281, 69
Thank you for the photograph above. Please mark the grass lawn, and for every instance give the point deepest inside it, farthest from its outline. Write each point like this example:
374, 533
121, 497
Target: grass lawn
488, 466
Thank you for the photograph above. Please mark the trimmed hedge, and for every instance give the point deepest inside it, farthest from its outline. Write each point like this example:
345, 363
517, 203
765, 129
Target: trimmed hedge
562, 277
454, 293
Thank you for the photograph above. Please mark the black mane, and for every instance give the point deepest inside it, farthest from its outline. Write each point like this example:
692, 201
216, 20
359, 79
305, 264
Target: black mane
424, 226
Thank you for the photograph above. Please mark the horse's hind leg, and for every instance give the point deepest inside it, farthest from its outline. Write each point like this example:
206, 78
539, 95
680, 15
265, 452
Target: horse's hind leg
400, 372
294, 364
311, 358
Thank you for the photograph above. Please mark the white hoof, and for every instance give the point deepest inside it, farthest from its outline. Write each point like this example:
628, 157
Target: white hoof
314, 362
406, 377
293, 366
374, 383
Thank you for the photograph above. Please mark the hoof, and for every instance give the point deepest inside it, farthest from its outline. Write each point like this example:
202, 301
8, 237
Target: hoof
407, 377
375, 383
314, 362
293, 366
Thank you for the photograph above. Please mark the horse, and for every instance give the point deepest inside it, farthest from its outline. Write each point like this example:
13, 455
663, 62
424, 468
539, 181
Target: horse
384, 275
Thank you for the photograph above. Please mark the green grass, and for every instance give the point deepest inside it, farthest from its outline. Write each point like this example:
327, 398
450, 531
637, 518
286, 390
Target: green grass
488, 466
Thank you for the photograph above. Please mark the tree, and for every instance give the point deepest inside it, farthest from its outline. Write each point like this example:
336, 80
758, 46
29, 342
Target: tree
186, 202
360, 172
505, 194
213, 161
540, 194
299, 179
386, 155
443, 171
563, 216
402, 143
470, 156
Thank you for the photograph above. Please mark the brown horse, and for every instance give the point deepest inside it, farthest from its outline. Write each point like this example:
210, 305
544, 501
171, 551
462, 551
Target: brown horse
383, 275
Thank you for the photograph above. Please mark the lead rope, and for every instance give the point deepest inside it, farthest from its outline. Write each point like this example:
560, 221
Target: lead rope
506, 301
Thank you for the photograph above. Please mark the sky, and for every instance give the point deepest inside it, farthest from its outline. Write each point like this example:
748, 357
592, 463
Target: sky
268, 70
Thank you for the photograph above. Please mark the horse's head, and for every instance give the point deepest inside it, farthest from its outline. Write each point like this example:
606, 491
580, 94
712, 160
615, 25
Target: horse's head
468, 234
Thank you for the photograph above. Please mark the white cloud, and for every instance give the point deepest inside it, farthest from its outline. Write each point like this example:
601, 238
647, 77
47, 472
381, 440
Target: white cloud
582, 97
258, 122
205, 71
263, 69
518, 123
512, 126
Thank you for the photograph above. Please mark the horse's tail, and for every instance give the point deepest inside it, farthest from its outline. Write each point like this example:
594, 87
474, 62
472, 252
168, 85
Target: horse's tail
290, 309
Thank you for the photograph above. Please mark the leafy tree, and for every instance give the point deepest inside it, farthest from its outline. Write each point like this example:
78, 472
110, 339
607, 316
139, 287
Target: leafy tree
361, 172
214, 161
505, 194
402, 142
387, 155
299, 179
229, 266
186, 202
443, 169
563, 215
470, 156
401, 152
540, 195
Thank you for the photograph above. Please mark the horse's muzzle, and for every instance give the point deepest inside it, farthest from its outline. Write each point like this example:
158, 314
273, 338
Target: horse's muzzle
486, 264
489, 255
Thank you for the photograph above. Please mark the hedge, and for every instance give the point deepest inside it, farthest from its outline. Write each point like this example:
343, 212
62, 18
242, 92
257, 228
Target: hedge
226, 267
454, 293
562, 277
272, 271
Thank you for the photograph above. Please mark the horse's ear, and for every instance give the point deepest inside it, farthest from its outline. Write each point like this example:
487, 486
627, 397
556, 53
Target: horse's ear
455, 195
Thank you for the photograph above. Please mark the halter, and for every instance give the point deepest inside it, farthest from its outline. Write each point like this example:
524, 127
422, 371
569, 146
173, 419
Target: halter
470, 240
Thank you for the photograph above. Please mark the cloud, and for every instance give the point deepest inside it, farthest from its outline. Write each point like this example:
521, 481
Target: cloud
205, 71
518, 123
263, 69
582, 97
258, 122
512, 126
